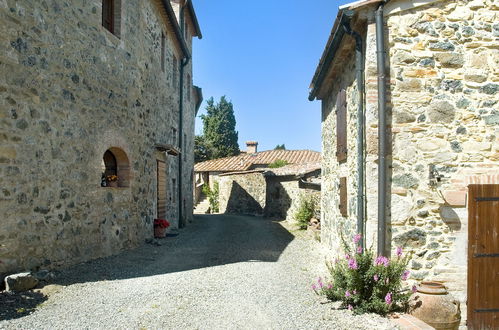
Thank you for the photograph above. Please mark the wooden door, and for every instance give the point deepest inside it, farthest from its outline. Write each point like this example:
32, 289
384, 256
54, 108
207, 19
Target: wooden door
483, 256
161, 198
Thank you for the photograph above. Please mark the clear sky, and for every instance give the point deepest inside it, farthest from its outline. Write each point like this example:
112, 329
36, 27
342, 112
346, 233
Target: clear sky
262, 55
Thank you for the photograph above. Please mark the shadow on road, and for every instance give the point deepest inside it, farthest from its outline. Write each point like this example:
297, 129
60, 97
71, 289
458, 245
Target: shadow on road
211, 240
17, 305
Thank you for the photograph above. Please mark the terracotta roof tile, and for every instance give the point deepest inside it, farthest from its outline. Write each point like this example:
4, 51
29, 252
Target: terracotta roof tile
244, 161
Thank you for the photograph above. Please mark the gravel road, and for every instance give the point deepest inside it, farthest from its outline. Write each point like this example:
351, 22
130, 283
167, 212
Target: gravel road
221, 272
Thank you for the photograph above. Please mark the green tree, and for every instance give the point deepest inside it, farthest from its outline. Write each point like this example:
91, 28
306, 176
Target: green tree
280, 147
219, 129
201, 149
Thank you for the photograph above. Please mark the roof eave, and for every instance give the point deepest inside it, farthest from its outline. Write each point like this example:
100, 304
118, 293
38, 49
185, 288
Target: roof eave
199, 95
176, 28
345, 13
192, 12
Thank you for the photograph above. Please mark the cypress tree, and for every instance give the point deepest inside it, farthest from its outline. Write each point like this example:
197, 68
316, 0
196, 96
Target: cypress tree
219, 129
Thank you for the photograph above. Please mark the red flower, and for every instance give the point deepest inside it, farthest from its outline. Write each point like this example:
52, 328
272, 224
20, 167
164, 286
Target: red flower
162, 223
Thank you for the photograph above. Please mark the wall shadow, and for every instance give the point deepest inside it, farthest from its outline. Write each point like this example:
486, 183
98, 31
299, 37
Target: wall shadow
17, 305
278, 201
241, 202
211, 240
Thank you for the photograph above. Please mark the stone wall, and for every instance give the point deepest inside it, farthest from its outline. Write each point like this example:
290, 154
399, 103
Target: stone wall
443, 79
69, 91
257, 194
284, 196
242, 193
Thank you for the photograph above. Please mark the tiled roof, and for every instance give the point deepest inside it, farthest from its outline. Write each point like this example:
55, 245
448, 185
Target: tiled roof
295, 169
245, 161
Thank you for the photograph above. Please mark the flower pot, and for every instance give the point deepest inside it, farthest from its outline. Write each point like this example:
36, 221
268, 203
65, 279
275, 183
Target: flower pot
159, 232
435, 306
113, 184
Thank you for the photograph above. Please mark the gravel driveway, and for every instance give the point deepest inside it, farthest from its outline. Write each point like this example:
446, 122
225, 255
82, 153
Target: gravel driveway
221, 272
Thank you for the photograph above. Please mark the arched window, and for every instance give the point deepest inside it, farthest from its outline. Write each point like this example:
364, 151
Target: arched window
115, 168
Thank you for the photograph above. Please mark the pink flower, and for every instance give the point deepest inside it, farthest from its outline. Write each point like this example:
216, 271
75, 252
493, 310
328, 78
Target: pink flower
357, 238
347, 256
376, 277
352, 264
381, 260
350, 307
314, 287
347, 294
405, 275
388, 298
399, 251
354, 292
359, 249
329, 286
414, 289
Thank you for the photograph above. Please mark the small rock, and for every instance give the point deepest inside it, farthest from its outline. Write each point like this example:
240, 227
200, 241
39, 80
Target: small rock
44, 275
441, 112
20, 282
490, 89
450, 60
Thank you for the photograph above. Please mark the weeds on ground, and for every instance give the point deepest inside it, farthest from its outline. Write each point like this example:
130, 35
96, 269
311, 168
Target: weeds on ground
212, 195
305, 211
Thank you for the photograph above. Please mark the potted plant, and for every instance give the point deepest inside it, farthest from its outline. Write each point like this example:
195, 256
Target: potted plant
112, 180
160, 226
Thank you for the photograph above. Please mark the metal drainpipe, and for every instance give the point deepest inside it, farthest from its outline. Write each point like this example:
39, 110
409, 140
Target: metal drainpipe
359, 63
382, 138
184, 62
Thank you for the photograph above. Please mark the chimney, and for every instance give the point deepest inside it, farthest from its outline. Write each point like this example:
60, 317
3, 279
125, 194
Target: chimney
251, 147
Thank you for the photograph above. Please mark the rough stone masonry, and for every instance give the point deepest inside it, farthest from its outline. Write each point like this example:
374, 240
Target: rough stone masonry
443, 62
69, 91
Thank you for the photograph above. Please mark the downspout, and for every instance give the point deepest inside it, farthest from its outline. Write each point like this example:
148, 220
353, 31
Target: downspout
184, 62
382, 136
359, 63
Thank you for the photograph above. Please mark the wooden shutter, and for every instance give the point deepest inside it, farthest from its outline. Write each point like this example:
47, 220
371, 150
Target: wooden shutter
343, 197
108, 15
161, 181
341, 126
483, 256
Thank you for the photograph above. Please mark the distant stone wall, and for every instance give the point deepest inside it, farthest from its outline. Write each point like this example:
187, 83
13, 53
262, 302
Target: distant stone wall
253, 193
444, 82
69, 91
242, 193
284, 197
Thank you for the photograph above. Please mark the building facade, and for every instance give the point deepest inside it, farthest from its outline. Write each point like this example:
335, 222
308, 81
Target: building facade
436, 144
273, 192
90, 90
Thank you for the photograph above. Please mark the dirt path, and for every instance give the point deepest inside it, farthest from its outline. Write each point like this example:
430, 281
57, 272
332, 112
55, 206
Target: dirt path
221, 272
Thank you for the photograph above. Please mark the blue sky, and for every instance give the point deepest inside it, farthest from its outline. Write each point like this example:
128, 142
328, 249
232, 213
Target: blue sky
262, 55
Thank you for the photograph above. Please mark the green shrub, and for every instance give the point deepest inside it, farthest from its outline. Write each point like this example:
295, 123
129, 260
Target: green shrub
366, 284
212, 195
305, 211
278, 163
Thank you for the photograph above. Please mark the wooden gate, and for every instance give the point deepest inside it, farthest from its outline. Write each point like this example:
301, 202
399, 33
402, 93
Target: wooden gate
483, 256
161, 182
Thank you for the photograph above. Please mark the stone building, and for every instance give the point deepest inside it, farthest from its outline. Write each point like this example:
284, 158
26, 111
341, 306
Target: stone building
91, 89
410, 130
208, 172
272, 192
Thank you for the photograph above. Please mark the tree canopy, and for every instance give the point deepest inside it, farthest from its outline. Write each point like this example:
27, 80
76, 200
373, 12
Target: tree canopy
219, 137
280, 147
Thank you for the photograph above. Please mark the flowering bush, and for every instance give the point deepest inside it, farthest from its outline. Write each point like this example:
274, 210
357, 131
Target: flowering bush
365, 283
162, 223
